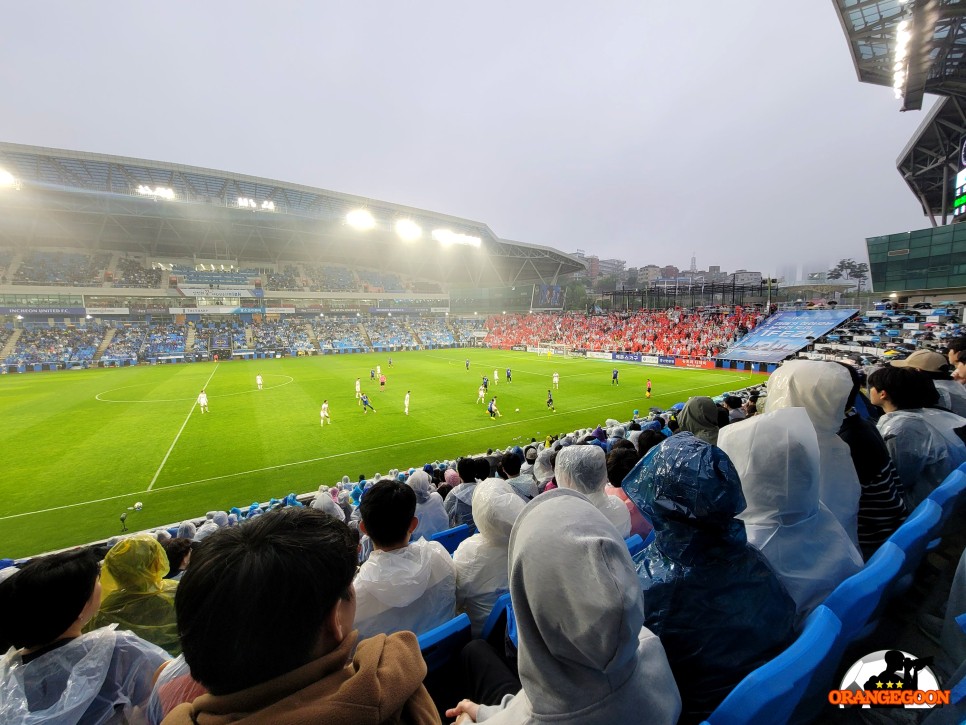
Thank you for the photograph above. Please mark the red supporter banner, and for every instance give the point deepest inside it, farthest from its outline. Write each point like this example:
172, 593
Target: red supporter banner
690, 362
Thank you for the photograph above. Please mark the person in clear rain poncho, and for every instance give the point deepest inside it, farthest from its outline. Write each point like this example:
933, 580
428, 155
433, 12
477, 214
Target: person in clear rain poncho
586, 656
52, 672
777, 458
481, 560
713, 599
823, 389
584, 469
429, 507
403, 585
135, 594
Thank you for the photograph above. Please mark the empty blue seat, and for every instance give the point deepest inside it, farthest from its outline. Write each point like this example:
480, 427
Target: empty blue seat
451, 538
773, 691
440, 645
949, 494
634, 543
856, 600
922, 526
499, 609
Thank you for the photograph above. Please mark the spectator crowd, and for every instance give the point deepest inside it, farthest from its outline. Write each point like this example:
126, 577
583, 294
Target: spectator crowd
308, 610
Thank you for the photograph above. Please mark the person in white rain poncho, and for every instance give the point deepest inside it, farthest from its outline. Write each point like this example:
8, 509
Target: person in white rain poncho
584, 469
777, 458
481, 560
402, 585
325, 503
823, 389
585, 656
429, 506
922, 441
52, 672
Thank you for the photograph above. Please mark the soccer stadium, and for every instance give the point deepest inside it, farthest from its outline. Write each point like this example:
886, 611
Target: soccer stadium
235, 403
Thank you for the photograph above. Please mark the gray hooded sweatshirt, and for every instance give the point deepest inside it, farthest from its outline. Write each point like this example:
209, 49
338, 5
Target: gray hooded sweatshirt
585, 656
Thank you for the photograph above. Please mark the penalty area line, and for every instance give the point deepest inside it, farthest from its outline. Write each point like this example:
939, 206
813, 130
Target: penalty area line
175, 441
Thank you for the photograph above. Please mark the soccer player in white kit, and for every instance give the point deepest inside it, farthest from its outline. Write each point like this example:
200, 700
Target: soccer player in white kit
258, 381
203, 401
358, 391
378, 370
556, 381
496, 377
406, 402
325, 412
481, 393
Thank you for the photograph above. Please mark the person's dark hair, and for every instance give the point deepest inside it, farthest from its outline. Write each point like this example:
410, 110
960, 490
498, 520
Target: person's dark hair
634, 426
387, 510
483, 468
958, 346
466, 468
623, 443
620, 461
673, 425
648, 439
732, 402
907, 387
44, 598
723, 416
443, 490
282, 572
510, 465
176, 549
856, 384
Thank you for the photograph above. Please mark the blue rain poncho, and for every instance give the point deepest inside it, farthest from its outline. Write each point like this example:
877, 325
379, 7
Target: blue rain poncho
714, 601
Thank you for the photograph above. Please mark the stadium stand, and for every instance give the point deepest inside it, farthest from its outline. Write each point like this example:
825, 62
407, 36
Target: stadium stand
131, 273
163, 340
286, 280
432, 333
125, 344
42, 344
380, 281
287, 334
56, 268
331, 278
389, 333
339, 334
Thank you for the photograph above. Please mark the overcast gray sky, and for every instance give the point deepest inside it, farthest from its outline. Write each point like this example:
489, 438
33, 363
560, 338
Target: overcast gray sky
640, 130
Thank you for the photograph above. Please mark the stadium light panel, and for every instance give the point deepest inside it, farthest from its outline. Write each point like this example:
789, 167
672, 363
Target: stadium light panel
408, 230
446, 237
158, 192
360, 219
8, 180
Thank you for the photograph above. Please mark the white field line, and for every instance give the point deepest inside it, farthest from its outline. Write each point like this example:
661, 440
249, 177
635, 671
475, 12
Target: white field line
339, 455
185, 400
175, 441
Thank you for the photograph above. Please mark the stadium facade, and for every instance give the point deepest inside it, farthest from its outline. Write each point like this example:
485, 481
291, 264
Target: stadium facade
917, 47
228, 232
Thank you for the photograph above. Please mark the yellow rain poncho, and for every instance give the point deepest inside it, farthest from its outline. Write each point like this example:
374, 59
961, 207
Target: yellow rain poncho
135, 595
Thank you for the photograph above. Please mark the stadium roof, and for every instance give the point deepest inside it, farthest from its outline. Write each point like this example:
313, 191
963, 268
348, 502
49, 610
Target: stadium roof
917, 47
933, 38
90, 201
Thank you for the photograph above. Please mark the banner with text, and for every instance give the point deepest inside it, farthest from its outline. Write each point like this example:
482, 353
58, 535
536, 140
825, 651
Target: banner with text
784, 333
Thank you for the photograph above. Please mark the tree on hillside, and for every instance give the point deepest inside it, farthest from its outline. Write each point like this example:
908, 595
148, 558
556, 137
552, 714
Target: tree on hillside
849, 269
576, 296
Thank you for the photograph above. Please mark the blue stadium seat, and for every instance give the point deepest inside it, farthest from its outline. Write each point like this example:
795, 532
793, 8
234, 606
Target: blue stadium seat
451, 538
773, 691
949, 494
499, 609
649, 538
856, 600
441, 644
923, 525
634, 543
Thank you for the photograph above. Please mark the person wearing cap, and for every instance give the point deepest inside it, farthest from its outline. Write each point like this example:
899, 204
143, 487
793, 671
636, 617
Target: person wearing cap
952, 395
922, 440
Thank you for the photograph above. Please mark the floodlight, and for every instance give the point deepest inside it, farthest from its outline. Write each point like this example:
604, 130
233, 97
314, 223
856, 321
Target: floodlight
88, 317
7, 179
893, 295
19, 317
158, 192
360, 219
390, 314
448, 236
408, 230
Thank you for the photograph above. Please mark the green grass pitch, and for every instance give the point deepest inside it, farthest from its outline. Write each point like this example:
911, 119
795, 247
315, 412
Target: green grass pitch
81, 447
